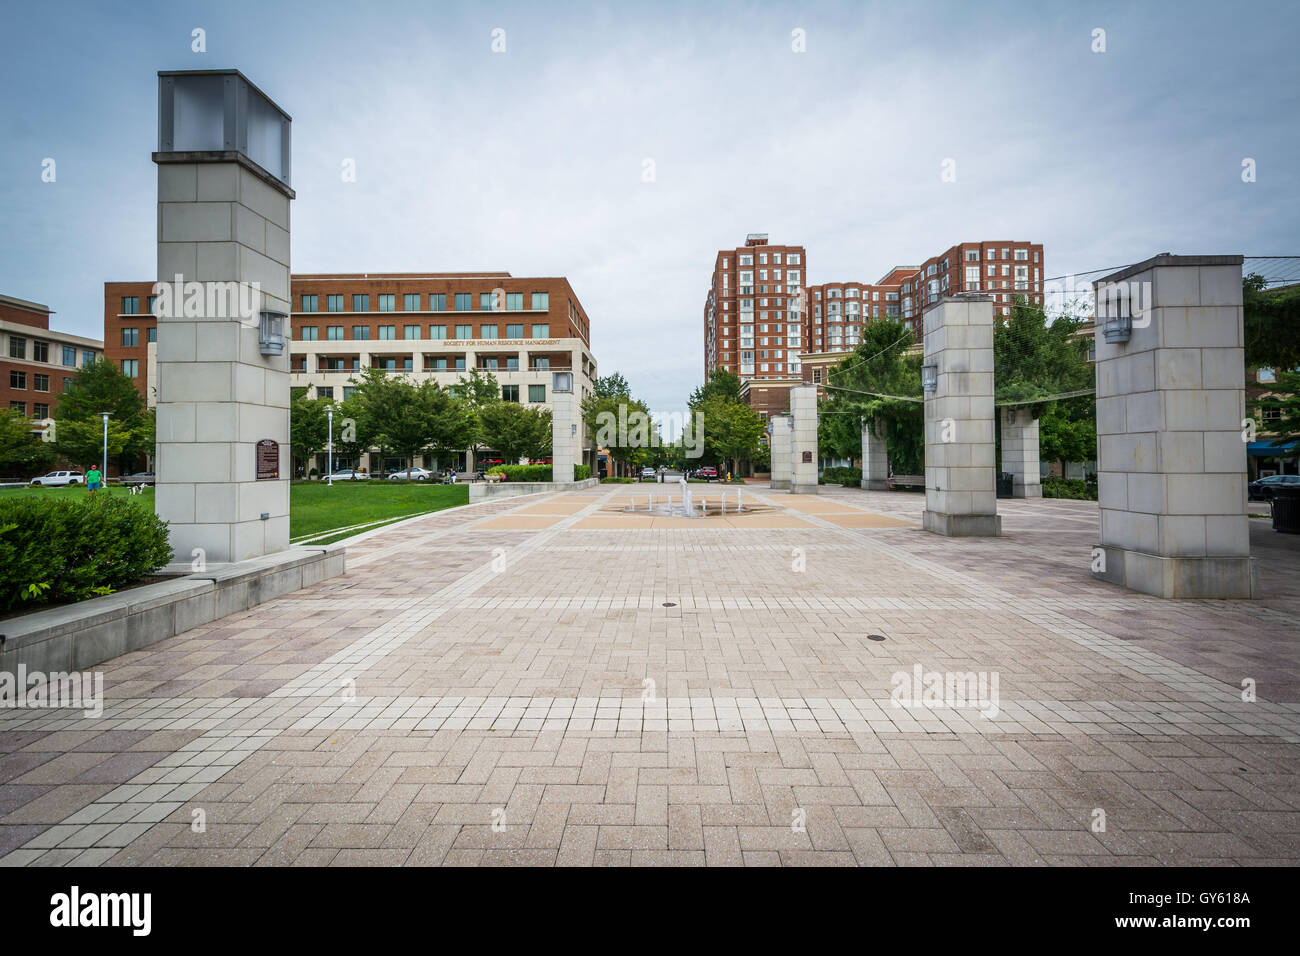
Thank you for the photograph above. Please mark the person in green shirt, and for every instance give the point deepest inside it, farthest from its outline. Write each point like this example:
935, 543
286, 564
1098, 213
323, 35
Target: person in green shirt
94, 478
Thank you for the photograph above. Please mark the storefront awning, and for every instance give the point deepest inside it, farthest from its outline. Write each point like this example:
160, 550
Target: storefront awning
1267, 448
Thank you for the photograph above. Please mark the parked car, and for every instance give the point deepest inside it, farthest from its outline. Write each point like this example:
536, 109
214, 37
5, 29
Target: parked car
60, 478
348, 474
139, 478
1263, 488
411, 474
648, 472
708, 473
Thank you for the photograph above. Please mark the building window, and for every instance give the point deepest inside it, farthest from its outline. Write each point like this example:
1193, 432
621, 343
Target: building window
541, 330
411, 302
387, 303
388, 332
40, 383
487, 331
437, 301
153, 299
325, 391
541, 363
509, 393
537, 393
311, 303
41, 410
17, 379
464, 301
464, 331
361, 303
40, 351
308, 333
488, 363
130, 338
334, 333
151, 335
131, 305
514, 331
19, 407
411, 331
69, 356
334, 303
512, 364
131, 368
542, 301
360, 332
17, 347
486, 302
460, 364
437, 331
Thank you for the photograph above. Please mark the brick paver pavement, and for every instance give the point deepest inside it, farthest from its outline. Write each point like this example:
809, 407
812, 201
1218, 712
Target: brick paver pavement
554, 680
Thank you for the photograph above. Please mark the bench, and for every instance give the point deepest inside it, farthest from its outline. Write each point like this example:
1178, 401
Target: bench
906, 481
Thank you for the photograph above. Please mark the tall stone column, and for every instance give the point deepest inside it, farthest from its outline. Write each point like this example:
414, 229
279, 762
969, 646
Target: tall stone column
564, 427
779, 445
1020, 452
875, 456
803, 440
1171, 454
223, 459
960, 489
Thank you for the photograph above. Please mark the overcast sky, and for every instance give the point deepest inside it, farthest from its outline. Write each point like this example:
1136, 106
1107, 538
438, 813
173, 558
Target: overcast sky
533, 160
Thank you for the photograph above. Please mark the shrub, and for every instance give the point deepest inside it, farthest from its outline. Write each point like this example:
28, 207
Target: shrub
849, 477
618, 481
536, 472
1069, 488
54, 551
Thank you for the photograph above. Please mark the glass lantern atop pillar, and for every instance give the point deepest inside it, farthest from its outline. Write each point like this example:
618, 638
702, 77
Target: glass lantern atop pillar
219, 116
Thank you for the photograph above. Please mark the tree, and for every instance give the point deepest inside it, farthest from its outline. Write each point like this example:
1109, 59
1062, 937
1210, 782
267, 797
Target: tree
79, 431
1271, 324
1034, 358
732, 430
722, 383
308, 425
516, 432
620, 423
874, 383
23, 454
399, 415
476, 391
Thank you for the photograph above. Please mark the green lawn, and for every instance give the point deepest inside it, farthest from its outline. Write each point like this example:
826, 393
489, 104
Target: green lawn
316, 509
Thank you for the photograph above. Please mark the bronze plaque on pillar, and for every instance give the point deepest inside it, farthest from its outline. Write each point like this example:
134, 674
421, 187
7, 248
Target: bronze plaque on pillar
807, 457
268, 459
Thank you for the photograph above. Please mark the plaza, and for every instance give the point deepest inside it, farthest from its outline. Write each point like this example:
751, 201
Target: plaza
557, 680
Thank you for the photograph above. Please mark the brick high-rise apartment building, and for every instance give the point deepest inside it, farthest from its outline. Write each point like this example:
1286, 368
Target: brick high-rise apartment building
36, 363
426, 325
753, 313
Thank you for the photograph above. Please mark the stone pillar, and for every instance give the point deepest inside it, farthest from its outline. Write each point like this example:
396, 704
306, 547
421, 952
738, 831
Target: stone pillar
803, 440
1171, 456
875, 456
223, 461
564, 441
960, 489
1020, 452
779, 445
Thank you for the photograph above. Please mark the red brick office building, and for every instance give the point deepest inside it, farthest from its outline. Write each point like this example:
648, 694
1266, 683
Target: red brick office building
37, 363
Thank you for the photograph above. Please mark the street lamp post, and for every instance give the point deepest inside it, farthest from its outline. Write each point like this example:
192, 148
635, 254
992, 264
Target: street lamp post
104, 464
329, 479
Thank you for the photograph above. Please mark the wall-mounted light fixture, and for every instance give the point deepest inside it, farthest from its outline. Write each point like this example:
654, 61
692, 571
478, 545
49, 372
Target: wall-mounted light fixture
562, 382
929, 377
1117, 323
270, 333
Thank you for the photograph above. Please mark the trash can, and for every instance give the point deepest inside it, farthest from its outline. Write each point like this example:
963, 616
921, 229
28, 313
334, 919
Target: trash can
1286, 510
1005, 479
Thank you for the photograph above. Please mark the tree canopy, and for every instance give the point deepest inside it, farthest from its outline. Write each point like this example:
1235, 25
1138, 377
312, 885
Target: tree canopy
79, 432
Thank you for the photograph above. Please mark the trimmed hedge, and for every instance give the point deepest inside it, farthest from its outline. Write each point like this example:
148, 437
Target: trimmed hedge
1069, 488
849, 477
618, 481
536, 472
56, 551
